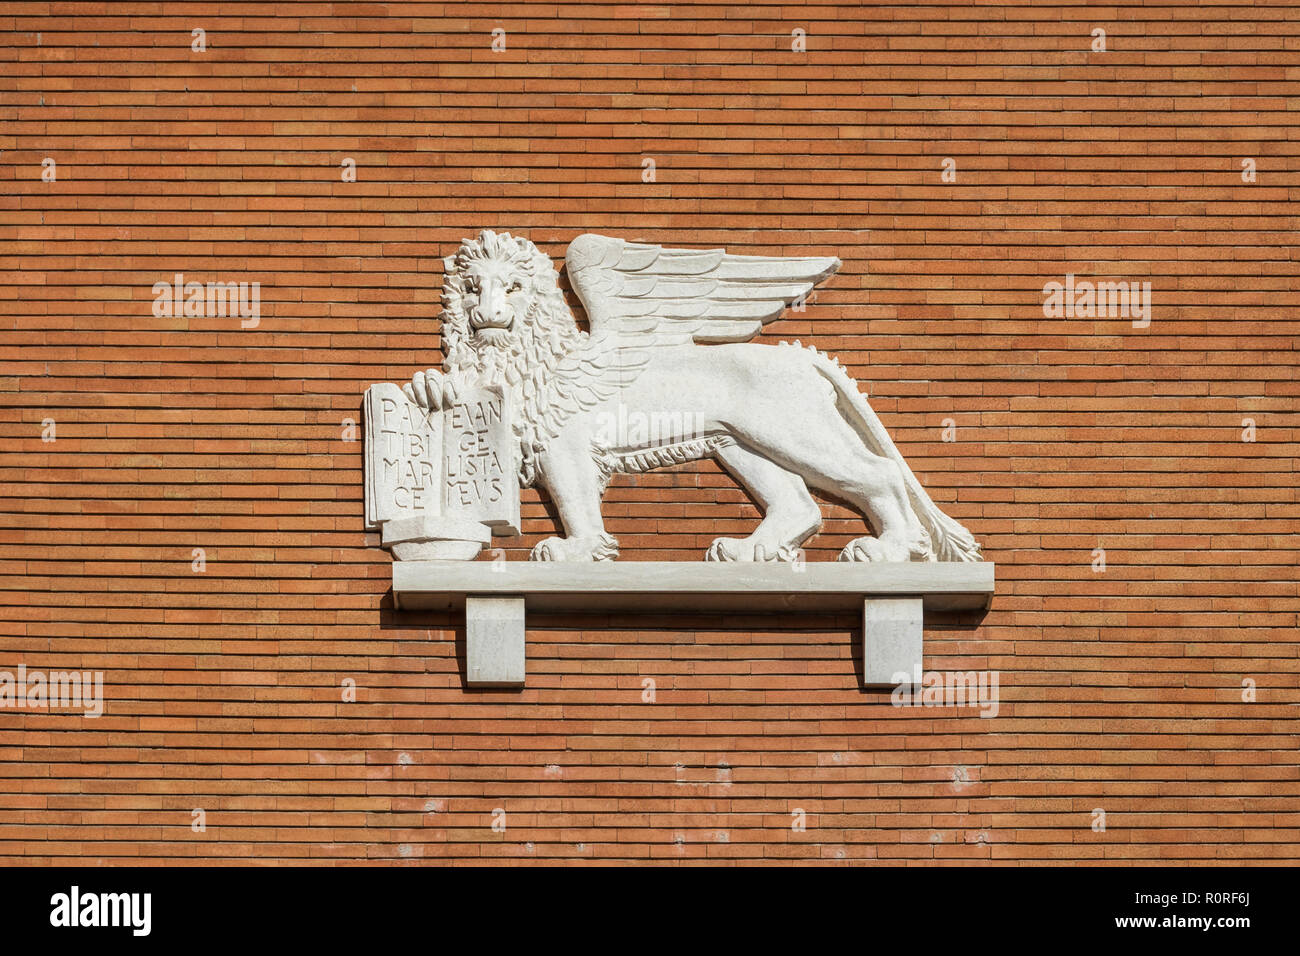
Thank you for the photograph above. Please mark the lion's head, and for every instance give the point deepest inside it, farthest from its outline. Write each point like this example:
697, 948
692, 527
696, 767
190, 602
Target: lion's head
505, 321
501, 300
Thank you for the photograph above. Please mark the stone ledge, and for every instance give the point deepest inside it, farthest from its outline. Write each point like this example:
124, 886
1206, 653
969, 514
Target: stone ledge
687, 585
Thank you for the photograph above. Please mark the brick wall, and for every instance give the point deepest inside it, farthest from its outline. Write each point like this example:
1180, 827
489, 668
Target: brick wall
1120, 690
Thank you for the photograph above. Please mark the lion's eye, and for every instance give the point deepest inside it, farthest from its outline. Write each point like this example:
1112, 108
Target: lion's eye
516, 286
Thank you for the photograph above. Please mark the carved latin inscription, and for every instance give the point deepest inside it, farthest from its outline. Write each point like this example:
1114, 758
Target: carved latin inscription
481, 482
445, 475
403, 457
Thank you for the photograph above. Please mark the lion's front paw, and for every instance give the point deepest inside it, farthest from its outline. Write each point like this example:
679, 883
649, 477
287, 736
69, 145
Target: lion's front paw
550, 549
431, 389
603, 548
876, 550
725, 549
746, 549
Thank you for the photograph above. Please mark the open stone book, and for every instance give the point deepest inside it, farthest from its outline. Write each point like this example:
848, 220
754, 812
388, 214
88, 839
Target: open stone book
439, 484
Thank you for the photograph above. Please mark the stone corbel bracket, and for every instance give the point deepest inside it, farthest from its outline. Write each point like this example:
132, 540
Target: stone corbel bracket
495, 596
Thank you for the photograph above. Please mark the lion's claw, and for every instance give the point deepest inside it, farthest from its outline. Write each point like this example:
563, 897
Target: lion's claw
430, 389
875, 550
602, 548
744, 549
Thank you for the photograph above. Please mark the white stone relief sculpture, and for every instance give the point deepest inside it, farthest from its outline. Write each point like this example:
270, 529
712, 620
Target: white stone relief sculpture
666, 374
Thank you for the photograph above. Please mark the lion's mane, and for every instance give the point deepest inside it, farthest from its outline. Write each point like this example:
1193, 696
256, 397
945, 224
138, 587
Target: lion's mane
526, 364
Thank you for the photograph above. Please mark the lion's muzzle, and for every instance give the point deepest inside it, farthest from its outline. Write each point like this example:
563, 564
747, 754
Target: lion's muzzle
491, 311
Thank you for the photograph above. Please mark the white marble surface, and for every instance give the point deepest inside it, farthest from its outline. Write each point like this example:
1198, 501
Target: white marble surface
687, 585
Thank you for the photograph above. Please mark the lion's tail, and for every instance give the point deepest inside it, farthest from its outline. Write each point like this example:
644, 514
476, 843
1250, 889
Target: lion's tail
949, 538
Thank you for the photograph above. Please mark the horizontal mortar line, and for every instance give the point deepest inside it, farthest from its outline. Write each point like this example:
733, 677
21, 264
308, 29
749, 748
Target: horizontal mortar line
667, 734
749, 820
885, 775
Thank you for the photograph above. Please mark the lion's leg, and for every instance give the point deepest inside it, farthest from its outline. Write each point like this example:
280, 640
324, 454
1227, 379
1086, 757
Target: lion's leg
570, 475
790, 516
815, 441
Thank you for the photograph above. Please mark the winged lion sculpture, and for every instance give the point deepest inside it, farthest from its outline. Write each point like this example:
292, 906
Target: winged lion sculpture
667, 374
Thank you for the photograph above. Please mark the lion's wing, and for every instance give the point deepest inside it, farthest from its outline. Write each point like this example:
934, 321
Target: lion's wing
658, 296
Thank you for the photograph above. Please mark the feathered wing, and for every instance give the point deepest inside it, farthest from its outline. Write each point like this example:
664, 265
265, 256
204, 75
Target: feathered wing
642, 295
